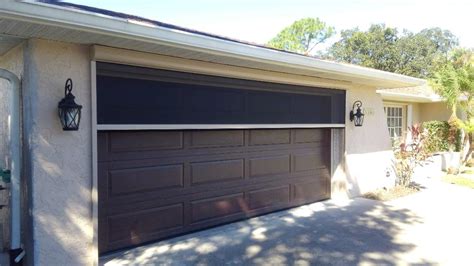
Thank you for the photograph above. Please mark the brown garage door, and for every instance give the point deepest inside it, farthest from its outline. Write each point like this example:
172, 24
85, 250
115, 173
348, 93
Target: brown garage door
157, 184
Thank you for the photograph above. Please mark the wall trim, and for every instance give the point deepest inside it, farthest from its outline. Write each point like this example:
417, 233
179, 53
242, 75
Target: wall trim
207, 126
94, 188
409, 115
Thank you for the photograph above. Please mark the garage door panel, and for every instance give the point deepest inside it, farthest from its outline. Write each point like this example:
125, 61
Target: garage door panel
216, 171
310, 135
308, 161
268, 197
214, 176
140, 159
152, 199
148, 199
145, 222
311, 190
218, 138
218, 207
266, 142
145, 178
269, 165
148, 140
268, 137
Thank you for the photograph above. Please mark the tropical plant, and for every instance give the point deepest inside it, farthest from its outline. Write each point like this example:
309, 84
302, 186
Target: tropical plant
409, 154
454, 82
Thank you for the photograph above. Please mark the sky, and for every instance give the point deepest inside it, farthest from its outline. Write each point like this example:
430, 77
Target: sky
259, 20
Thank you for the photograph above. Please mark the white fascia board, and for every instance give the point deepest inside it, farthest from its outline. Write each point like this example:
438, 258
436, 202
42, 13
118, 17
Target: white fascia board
395, 96
47, 14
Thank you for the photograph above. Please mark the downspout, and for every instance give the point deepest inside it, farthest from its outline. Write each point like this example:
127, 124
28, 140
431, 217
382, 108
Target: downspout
16, 251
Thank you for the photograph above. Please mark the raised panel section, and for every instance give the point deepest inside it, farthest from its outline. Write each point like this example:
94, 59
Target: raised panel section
153, 221
147, 178
145, 141
217, 207
269, 165
311, 191
309, 135
216, 171
307, 162
271, 136
268, 197
218, 138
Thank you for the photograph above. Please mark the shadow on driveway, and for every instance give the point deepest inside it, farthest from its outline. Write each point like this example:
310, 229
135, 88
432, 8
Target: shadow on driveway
354, 232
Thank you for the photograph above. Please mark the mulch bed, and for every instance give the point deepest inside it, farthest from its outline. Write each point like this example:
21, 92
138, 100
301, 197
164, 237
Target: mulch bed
390, 194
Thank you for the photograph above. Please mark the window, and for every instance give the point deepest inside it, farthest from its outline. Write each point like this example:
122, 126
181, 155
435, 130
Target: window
394, 120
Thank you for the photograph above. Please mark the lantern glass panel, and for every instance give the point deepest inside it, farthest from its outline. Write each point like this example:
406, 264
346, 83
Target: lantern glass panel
69, 112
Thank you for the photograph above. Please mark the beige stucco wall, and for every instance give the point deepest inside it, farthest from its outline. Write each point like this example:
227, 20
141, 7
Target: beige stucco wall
368, 154
60, 162
416, 113
11, 61
434, 111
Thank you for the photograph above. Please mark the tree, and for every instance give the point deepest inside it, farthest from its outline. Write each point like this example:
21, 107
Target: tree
417, 55
384, 48
454, 82
443, 40
302, 36
462, 57
374, 48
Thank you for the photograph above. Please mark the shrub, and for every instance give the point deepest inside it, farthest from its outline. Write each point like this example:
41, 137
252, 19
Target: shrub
409, 154
441, 136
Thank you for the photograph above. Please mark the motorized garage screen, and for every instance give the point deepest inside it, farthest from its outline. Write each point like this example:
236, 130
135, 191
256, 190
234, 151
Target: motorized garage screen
131, 95
155, 184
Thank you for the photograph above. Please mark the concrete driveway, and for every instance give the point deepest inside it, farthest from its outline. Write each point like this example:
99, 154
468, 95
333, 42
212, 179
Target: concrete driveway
435, 226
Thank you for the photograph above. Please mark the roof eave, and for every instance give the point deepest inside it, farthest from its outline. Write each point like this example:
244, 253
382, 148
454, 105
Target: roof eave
91, 22
404, 97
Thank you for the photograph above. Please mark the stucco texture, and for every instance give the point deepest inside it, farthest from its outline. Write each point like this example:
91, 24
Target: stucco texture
11, 61
415, 113
368, 153
434, 111
60, 161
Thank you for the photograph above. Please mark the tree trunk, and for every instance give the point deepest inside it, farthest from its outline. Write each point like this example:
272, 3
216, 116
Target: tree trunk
468, 139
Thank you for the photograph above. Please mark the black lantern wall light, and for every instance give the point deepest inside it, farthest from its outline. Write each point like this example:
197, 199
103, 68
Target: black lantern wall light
69, 111
356, 114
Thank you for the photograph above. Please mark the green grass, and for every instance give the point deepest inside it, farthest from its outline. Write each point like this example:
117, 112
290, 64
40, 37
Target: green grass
468, 171
459, 180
